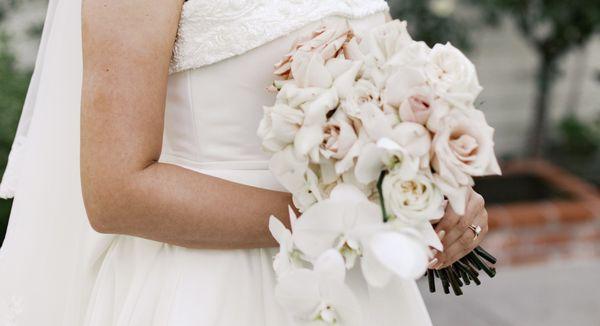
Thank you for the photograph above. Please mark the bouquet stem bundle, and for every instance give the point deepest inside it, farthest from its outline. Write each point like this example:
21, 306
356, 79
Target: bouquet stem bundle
463, 271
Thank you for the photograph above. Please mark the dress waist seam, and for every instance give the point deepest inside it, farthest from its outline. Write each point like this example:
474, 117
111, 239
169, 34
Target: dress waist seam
255, 165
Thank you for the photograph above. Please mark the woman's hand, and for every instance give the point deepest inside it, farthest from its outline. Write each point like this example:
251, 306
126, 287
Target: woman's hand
455, 232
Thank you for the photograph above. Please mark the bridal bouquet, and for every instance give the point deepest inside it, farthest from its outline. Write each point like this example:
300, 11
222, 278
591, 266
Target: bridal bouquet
373, 134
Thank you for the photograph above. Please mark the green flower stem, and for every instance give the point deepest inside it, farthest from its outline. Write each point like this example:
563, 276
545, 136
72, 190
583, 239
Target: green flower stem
380, 191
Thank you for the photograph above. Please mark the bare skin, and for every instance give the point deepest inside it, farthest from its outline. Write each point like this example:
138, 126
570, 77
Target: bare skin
456, 236
126, 50
127, 47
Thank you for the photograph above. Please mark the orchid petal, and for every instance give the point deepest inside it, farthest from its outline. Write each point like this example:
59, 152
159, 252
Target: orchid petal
375, 273
401, 254
346, 192
369, 164
331, 264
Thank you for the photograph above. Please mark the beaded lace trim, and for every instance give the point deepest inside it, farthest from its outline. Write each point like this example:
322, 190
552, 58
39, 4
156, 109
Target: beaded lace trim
214, 30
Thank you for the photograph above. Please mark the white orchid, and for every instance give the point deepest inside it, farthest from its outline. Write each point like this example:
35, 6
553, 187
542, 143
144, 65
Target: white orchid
394, 253
320, 296
288, 257
405, 148
339, 222
311, 133
353, 226
294, 174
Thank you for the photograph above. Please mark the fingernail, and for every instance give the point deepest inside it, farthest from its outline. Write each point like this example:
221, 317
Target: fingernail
441, 234
433, 263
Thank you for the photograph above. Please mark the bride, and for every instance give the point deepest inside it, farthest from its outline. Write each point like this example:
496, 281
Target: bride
142, 196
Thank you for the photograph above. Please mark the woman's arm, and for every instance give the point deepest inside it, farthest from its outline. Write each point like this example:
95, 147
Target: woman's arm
126, 49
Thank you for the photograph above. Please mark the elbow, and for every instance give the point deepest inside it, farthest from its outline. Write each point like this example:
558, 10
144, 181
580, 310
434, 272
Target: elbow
104, 208
101, 219
102, 223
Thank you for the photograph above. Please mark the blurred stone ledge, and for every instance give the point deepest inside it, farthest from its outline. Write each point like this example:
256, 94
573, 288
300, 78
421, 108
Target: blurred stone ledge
558, 217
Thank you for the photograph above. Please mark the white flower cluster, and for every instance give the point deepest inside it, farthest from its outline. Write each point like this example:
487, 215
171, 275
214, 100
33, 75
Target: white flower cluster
372, 134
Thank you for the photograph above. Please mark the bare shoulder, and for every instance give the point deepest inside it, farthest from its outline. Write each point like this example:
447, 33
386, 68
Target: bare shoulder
133, 28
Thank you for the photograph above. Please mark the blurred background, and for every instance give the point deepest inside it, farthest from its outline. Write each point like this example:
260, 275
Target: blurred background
539, 61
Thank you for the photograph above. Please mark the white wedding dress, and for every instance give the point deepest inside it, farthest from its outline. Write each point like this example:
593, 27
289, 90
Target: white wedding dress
221, 67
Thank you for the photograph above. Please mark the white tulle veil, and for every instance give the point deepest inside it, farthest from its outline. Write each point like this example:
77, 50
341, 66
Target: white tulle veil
48, 259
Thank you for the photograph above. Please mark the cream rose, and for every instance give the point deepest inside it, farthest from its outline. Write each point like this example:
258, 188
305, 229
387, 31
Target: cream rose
463, 147
412, 201
452, 75
414, 54
328, 42
339, 136
279, 126
408, 91
362, 92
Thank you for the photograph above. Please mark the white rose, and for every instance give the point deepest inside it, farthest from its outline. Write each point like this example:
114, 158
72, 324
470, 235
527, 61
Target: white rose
339, 138
279, 126
363, 91
414, 54
412, 201
463, 147
384, 41
373, 72
452, 75
408, 91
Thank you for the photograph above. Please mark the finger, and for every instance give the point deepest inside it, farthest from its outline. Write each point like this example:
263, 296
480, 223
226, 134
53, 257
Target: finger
447, 222
474, 207
476, 202
458, 230
465, 244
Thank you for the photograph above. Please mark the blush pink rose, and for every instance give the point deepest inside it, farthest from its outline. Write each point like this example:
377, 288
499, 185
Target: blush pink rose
329, 41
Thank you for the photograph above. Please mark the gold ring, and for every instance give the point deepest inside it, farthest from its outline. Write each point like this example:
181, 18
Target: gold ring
476, 229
